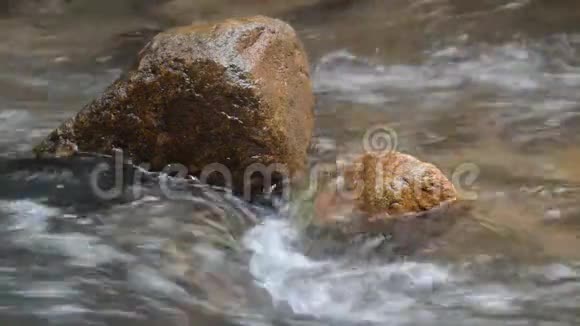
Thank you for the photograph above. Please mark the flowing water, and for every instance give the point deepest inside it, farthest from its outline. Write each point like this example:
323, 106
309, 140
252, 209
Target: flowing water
487, 90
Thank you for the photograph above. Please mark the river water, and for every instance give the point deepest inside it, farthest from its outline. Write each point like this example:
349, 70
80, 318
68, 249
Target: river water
487, 90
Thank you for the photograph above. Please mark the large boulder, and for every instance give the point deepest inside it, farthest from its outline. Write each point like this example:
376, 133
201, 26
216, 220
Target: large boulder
236, 93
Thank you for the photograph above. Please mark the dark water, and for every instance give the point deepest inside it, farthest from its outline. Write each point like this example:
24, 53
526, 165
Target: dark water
486, 86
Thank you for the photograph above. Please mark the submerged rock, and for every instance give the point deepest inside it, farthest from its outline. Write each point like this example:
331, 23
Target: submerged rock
392, 194
236, 93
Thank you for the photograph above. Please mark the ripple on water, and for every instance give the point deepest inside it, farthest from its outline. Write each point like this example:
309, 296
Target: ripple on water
509, 70
47, 290
14, 129
72, 277
29, 229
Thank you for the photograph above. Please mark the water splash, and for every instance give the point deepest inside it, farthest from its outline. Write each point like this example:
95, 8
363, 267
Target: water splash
403, 293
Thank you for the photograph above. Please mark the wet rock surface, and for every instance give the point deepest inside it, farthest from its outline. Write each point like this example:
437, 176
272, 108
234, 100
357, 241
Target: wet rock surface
398, 183
386, 186
404, 202
234, 93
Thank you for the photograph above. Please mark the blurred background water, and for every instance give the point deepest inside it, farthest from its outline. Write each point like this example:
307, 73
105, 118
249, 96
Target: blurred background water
491, 82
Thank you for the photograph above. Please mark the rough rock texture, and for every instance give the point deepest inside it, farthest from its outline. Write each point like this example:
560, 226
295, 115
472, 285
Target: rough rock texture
393, 194
397, 183
236, 93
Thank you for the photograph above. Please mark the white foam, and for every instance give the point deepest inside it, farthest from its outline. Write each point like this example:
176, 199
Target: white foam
26, 215
332, 289
404, 293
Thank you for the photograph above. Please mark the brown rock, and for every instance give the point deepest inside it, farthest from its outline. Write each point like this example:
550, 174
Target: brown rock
387, 185
397, 183
393, 193
236, 93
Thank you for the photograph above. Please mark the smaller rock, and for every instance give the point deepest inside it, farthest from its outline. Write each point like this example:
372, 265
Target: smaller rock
397, 183
393, 194
386, 186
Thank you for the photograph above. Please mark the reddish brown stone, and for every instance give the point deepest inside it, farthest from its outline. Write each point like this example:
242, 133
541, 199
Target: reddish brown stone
236, 93
407, 185
385, 193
